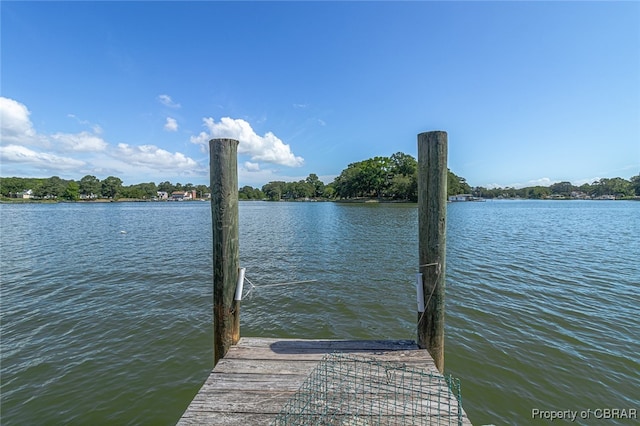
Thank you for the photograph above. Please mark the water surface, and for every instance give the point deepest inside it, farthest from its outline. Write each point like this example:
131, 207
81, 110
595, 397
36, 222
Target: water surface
106, 309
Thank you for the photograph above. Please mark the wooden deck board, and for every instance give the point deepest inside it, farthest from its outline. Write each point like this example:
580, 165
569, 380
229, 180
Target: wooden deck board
256, 378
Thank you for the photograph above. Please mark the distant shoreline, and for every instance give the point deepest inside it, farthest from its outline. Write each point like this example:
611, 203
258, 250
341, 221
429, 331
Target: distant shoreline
344, 201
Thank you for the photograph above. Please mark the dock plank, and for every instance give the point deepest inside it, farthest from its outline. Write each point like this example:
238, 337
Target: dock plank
257, 377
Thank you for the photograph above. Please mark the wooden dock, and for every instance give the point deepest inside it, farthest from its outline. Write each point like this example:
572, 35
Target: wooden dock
257, 376
256, 380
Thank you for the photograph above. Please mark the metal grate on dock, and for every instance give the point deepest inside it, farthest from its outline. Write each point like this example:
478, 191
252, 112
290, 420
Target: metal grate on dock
260, 381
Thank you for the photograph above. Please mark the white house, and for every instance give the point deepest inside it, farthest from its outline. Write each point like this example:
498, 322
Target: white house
24, 194
183, 195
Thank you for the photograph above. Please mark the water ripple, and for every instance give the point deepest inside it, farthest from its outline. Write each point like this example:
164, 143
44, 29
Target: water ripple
104, 327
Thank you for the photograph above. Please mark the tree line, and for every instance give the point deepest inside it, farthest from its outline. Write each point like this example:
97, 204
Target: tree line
614, 187
394, 178
90, 187
383, 178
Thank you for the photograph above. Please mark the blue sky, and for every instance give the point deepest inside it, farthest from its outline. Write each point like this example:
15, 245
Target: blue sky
529, 93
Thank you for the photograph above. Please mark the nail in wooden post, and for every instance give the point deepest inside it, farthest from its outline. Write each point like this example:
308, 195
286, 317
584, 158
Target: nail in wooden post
224, 215
432, 226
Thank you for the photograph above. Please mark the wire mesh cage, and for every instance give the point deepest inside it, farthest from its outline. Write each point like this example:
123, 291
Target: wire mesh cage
356, 391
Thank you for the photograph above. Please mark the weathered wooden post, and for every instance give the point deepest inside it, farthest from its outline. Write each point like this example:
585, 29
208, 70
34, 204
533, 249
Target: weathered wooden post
224, 215
432, 227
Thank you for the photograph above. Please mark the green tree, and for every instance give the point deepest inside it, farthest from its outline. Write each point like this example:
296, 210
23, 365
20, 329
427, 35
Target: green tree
12, 185
635, 184
614, 186
72, 191
537, 192
621, 187
296, 190
586, 188
250, 193
274, 190
456, 184
395, 177
166, 187
201, 190
52, 187
562, 188
139, 191
403, 187
316, 184
376, 176
111, 186
329, 191
149, 190
9, 186
347, 184
368, 178
131, 191
90, 185
403, 164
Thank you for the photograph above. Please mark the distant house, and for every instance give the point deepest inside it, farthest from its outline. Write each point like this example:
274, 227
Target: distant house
24, 194
579, 195
177, 195
183, 195
606, 197
162, 195
460, 197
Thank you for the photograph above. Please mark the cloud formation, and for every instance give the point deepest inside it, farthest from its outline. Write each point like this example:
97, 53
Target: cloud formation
46, 161
24, 151
154, 157
78, 142
167, 101
171, 125
251, 167
16, 127
96, 128
545, 181
268, 148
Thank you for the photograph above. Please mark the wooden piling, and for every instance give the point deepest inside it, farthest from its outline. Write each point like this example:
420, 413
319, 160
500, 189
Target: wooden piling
224, 223
432, 226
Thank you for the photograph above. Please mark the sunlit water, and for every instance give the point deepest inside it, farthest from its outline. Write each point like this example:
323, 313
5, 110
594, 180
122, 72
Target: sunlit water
106, 309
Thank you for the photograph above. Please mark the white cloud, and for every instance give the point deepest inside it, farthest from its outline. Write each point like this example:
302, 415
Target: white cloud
91, 153
300, 106
154, 157
545, 181
16, 129
47, 161
268, 148
167, 101
591, 180
78, 142
15, 125
494, 185
95, 127
171, 125
251, 167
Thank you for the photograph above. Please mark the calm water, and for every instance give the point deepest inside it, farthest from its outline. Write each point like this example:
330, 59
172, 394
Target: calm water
105, 327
